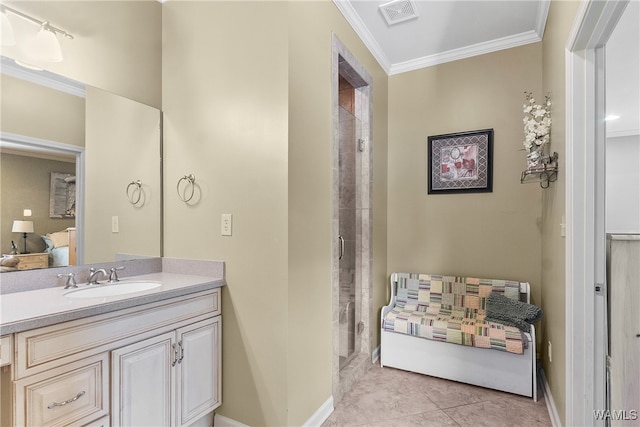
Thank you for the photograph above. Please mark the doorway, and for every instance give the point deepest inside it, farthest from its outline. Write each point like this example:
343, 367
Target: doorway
585, 327
351, 218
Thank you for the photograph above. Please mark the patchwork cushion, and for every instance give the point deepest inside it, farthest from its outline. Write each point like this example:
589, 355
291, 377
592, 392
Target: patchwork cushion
453, 309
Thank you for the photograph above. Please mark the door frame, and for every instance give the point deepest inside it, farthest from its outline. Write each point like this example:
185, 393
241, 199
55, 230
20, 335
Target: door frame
585, 251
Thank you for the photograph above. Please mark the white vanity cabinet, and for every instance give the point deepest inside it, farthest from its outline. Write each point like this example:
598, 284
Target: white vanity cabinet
167, 380
152, 364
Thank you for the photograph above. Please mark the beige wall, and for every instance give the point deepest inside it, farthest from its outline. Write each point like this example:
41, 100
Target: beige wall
493, 235
39, 112
248, 111
310, 183
561, 17
117, 45
225, 92
122, 147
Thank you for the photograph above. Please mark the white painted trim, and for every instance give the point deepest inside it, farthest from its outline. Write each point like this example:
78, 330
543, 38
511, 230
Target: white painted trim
592, 27
548, 400
321, 414
375, 355
222, 421
363, 32
541, 17
466, 52
43, 78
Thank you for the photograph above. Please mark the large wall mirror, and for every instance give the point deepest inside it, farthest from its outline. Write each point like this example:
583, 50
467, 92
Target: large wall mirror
81, 168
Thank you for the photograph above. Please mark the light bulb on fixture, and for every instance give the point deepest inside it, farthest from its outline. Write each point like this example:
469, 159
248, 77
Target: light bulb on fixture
44, 46
8, 38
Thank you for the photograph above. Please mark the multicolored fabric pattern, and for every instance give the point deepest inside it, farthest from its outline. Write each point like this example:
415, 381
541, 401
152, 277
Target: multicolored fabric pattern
452, 309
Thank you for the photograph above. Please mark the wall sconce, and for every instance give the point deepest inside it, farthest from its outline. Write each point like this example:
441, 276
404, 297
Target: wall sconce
43, 46
23, 227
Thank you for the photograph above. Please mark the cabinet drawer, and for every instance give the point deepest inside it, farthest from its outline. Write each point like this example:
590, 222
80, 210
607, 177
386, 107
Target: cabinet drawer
72, 394
40, 349
29, 262
102, 422
6, 350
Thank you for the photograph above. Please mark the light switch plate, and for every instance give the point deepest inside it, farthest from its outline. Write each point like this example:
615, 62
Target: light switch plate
226, 223
115, 224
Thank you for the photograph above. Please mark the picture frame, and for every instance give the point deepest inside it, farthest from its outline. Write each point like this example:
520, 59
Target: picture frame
62, 195
460, 162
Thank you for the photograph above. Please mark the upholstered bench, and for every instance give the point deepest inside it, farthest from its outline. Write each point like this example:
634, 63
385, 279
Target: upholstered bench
437, 325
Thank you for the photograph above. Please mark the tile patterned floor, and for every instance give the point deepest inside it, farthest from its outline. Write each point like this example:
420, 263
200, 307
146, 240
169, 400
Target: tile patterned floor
387, 397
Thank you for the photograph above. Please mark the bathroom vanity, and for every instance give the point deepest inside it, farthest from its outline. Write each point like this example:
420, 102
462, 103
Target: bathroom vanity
151, 357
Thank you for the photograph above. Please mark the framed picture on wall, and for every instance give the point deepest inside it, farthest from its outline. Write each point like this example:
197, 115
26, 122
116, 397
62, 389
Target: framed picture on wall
62, 195
460, 162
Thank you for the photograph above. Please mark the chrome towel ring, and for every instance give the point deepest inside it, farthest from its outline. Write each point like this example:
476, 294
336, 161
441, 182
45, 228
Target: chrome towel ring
189, 184
134, 192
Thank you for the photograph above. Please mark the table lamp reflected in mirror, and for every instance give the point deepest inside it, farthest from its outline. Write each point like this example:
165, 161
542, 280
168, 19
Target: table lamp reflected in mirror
23, 227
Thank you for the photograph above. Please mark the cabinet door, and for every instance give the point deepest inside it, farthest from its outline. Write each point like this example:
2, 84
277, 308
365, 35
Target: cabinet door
199, 368
142, 383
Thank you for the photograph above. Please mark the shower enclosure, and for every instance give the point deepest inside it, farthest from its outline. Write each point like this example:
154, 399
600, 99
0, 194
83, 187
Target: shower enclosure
352, 213
349, 298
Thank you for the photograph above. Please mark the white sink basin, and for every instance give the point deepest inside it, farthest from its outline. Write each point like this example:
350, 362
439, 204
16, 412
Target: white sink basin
120, 288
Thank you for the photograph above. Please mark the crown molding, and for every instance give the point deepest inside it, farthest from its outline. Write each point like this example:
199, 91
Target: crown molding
466, 52
541, 17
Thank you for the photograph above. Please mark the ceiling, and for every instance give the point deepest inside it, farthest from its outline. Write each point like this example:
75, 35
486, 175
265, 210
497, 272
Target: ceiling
445, 30
448, 30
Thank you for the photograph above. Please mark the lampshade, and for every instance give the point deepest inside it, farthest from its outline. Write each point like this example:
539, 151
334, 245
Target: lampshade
22, 226
7, 30
44, 46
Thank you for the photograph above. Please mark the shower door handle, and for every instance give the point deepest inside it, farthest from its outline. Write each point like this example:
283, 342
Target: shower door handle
341, 247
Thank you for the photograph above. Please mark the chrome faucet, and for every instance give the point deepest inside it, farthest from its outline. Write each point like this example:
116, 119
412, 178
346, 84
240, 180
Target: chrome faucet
113, 276
93, 275
71, 280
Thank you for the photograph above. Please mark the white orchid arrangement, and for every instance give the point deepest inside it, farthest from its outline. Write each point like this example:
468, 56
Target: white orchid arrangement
537, 126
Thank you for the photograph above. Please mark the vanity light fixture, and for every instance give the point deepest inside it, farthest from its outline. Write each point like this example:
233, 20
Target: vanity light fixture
23, 227
43, 46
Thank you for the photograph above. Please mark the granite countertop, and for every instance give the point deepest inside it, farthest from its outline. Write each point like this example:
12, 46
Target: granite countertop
22, 311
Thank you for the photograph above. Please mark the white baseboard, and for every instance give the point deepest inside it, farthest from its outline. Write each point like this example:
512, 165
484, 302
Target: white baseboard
375, 355
222, 421
316, 419
321, 414
548, 399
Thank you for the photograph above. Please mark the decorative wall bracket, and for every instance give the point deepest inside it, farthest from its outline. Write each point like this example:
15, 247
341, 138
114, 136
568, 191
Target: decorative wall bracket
544, 173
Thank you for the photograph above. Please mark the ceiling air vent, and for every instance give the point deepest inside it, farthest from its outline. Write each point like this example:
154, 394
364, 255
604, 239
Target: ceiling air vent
398, 11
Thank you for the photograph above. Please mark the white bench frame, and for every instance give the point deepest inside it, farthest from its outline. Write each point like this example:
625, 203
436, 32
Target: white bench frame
498, 370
